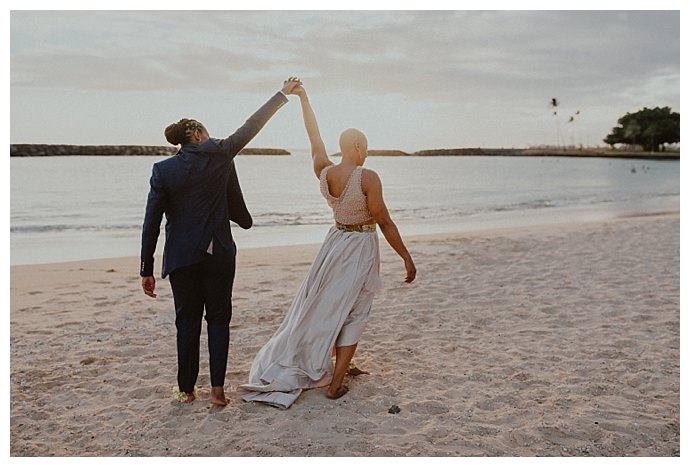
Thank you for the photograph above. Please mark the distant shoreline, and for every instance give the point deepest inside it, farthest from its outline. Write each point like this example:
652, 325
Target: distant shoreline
529, 152
47, 150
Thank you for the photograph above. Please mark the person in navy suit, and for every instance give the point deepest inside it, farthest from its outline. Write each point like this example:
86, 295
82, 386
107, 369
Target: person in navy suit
198, 191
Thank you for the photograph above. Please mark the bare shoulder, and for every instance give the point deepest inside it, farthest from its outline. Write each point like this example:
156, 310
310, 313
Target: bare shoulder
370, 180
320, 169
370, 175
320, 164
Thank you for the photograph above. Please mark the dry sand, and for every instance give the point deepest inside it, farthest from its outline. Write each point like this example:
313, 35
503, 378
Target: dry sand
554, 341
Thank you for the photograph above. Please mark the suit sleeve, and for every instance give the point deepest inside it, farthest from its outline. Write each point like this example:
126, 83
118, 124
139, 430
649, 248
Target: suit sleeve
237, 208
155, 207
240, 138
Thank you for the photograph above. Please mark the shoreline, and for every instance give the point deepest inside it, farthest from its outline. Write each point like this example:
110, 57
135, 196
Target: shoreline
50, 150
553, 340
483, 231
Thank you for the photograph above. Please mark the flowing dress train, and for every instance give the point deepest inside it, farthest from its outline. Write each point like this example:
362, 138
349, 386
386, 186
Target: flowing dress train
330, 309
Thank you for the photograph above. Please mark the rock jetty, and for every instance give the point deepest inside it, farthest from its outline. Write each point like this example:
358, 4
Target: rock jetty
42, 150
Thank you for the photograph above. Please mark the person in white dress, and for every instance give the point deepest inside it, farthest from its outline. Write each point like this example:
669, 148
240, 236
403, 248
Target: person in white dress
333, 303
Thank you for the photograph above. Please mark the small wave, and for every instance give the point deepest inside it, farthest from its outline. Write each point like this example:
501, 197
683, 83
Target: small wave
534, 204
283, 218
46, 228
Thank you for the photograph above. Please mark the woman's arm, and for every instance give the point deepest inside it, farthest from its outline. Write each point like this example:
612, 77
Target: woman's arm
372, 188
318, 149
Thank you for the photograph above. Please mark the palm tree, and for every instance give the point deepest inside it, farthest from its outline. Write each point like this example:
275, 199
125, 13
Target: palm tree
574, 120
554, 103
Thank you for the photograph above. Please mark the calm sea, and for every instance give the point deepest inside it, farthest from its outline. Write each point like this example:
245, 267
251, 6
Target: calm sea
87, 207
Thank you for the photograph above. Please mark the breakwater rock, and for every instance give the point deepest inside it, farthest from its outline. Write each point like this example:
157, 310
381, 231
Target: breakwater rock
42, 150
382, 152
470, 152
444, 152
529, 152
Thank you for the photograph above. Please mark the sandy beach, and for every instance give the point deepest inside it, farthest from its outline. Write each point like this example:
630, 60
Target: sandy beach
560, 340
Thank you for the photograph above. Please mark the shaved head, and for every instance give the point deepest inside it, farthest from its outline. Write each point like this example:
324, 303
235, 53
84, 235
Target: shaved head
351, 140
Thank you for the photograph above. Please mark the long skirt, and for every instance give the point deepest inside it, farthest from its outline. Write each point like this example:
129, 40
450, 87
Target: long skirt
331, 309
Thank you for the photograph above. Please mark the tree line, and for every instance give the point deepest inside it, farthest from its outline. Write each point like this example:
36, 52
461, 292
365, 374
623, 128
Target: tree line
649, 128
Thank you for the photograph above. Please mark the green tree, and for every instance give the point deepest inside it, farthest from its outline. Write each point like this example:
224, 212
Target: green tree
649, 128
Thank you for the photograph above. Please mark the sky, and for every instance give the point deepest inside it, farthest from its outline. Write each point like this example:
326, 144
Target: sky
410, 80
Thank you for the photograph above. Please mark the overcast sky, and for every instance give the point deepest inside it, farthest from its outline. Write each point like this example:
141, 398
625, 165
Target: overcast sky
409, 79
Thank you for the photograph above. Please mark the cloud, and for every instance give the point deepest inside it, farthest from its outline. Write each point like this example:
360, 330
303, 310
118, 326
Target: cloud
479, 68
427, 54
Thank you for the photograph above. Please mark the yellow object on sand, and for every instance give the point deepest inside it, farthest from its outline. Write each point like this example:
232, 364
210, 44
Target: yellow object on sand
182, 396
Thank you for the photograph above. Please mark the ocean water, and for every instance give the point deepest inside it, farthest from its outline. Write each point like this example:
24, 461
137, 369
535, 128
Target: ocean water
87, 207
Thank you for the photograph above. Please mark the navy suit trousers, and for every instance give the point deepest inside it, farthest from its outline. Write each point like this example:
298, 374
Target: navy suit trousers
204, 285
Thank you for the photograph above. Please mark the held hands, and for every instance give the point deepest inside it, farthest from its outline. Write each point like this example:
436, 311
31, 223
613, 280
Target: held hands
299, 91
290, 84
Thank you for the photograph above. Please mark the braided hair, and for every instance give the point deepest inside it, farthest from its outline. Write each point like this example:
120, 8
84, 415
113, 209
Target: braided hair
182, 131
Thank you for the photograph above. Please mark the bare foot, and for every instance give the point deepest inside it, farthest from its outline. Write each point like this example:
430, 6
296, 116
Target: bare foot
217, 396
354, 370
184, 397
338, 393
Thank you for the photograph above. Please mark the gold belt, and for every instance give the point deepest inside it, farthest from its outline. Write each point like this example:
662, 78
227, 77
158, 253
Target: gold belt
356, 228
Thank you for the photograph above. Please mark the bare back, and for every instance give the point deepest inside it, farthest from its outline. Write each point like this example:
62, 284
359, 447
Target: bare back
337, 177
350, 206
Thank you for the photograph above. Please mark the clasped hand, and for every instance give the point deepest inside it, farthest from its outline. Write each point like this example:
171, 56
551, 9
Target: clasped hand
291, 84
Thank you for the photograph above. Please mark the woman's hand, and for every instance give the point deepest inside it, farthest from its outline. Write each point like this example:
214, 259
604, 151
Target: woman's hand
290, 84
300, 91
410, 270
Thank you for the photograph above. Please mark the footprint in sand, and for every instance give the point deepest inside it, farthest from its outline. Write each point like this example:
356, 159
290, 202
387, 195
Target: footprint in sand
87, 361
38, 331
68, 323
428, 407
141, 393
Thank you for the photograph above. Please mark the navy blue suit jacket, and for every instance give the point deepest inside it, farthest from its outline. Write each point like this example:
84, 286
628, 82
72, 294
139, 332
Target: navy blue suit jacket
198, 191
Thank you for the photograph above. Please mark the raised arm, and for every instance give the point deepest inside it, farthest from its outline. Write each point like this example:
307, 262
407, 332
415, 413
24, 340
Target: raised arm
372, 188
243, 135
318, 149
